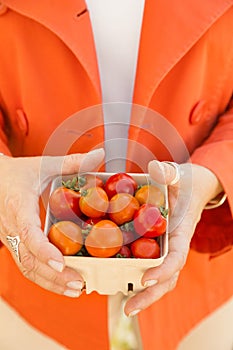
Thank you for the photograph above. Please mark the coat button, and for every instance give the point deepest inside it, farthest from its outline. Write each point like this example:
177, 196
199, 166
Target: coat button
3, 8
198, 112
22, 121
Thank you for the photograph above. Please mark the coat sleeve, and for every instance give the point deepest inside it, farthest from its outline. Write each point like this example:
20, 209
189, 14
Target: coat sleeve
3, 142
214, 231
3, 138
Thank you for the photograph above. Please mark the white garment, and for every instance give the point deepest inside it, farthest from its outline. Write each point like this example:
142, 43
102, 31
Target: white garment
116, 27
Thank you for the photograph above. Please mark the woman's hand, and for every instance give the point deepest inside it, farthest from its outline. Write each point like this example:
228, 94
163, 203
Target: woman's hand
22, 182
187, 199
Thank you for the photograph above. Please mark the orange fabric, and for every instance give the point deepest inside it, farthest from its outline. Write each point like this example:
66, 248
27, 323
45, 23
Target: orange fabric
166, 321
53, 74
59, 95
76, 323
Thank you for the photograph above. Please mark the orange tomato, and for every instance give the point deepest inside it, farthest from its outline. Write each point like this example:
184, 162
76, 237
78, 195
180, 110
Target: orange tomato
66, 236
122, 207
104, 240
150, 194
94, 202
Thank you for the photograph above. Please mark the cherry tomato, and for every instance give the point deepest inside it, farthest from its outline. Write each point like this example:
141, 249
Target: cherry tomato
120, 183
147, 220
66, 236
124, 252
145, 248
91, 221
86, 181
64, 203
122, 207
160, 229
94, 202
150, 194
104, 240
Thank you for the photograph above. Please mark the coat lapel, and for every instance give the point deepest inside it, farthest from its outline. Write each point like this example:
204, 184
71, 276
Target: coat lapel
70, 21
169, 30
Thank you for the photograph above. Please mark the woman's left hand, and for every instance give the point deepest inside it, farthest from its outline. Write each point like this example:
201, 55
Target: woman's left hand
187, 199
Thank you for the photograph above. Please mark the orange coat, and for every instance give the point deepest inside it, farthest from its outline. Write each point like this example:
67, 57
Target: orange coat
48, 71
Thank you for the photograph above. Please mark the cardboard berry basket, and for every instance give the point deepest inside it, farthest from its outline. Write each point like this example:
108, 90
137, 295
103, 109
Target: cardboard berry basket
111, 275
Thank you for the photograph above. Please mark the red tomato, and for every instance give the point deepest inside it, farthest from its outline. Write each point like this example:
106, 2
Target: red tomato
104, 240
122, 207
124, 252
94, 202
91, 221
64, 204
120, 183
147, 221
150, 194
145, 248
160, 229
66, 236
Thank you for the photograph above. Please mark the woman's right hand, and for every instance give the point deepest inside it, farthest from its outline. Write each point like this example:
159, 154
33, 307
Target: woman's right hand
22, 182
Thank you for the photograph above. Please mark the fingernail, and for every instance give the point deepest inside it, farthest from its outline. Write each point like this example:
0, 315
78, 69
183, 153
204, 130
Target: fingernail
150, 283
75, 285
134, 312
72, 293
56, 265
158, 164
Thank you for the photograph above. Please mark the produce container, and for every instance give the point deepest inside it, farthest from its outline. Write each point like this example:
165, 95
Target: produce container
108, 276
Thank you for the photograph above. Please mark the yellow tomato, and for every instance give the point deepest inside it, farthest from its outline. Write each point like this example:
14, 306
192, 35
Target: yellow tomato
150, 194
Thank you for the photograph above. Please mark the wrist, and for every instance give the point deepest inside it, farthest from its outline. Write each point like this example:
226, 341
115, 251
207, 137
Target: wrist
210, 187
215, 195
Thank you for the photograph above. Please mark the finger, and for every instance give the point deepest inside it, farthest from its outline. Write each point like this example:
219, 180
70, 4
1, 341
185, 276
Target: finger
72, 163
25, 217
158, 281
173, 263
41, 261
37, 243
53, 284
147, 297
179, 244
48, 278
162, 172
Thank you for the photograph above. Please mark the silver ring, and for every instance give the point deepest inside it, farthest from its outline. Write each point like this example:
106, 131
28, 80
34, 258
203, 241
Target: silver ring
14, 245
177, 168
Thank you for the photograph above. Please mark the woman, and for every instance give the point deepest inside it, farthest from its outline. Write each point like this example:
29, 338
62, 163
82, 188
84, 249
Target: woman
49, 71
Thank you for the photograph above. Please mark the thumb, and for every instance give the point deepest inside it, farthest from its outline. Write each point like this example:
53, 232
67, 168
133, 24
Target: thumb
71, 164
165, 173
